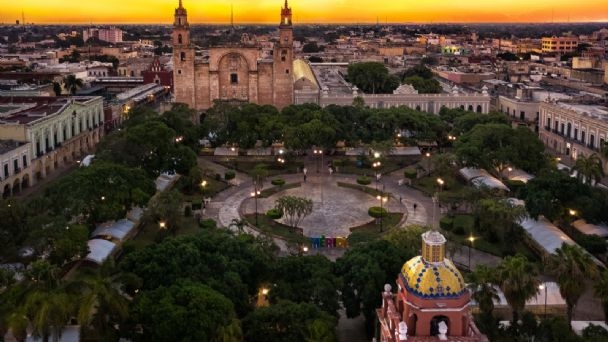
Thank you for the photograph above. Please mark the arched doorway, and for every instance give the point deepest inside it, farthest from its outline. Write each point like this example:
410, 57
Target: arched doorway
16, 186
7, 191
435, 324
25, 182
478, 108
411, 325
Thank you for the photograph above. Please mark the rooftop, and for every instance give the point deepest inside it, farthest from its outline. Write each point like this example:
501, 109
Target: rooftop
9, 145
596, 111
26, 109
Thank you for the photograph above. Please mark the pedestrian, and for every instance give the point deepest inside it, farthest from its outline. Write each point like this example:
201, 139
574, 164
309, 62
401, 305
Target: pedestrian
305, 178
415, 206
400, 199
304, 170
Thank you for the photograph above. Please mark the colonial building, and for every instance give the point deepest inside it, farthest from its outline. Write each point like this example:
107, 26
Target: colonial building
432, 301
45, 133
572, 130
156, 73
243, 72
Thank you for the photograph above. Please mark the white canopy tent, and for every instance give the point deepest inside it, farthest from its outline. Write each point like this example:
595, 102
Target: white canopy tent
481, 178
100, 250
118, 230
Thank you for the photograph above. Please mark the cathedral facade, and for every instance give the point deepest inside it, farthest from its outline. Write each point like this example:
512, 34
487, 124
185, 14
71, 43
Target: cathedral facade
232, 73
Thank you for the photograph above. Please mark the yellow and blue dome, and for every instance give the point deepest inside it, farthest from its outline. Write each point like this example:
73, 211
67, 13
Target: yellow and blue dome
432, 280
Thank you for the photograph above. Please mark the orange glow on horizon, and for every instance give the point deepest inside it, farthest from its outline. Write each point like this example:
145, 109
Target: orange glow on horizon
304, 11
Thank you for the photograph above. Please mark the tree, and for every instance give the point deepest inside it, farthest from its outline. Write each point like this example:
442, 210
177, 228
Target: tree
498, 219
571, 266
518, 280
289, 321
186, 311
481, 283
601, 291
71, 83
294, 208
103, 300
372, 77
364, 269
315, 282
57, 88
588, 169
424, 86
166, 207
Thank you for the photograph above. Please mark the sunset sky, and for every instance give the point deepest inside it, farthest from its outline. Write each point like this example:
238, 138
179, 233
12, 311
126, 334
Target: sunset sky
305, 11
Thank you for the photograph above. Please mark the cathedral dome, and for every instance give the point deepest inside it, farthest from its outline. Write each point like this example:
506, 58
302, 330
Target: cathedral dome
432, 279
432, 275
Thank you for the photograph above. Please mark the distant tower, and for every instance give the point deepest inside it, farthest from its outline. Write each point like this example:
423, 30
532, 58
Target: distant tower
283, 61
183, 56
22, 17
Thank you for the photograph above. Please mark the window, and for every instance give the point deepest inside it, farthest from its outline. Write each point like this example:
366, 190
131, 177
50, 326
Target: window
24, 162
287, 71
179, 38
179, 72
234, 78
6, 170
583, 137
182, 56
16, 165
522, 115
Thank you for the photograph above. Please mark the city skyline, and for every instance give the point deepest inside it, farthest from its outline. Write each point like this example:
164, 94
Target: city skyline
312, 11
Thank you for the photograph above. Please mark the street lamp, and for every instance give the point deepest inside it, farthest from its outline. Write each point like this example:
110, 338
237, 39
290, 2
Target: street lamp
203, 186
162, 224
544, 287
255, 195
382, 200
318, 153
440, 182
509, 169
428, 163
375, 166
471, 239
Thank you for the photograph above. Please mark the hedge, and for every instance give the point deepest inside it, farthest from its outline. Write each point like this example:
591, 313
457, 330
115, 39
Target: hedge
364, 180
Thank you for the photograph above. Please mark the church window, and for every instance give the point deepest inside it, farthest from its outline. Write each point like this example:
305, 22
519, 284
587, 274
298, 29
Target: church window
234, 78
179, 72
182, 56
287, 71
179, 38
283, 55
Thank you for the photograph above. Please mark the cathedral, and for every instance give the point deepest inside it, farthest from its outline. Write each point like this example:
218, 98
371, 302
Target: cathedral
243, 73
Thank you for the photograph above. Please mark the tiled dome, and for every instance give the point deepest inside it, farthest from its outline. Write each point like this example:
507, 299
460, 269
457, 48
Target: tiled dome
432, 280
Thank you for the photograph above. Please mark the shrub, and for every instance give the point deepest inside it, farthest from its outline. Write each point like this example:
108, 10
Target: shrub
278, 182
197, 205
446, 223
338, 162
229, 175
410, 173
274, 213
187, 211
458, 230
377, 212
208, 224
364, 180
218, 177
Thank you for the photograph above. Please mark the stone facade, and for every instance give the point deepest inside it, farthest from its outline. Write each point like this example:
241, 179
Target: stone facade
232, 73
54, 131
572, 130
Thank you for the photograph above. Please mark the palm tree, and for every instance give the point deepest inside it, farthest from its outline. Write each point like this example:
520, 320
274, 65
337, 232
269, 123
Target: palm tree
518, 280
48, 312
103, 301
601, 291
589, 169
481, 283
72, 83
571, 266
229, 333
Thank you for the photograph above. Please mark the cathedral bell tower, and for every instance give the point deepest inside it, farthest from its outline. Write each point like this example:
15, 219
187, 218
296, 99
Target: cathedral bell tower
283, 61
183, 57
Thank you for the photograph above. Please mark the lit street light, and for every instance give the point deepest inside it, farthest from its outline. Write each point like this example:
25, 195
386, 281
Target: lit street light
471, 239
376, 165
162, 225
440, 182
318, 153
203, 186
382, 199
544, 287
428, 163
255, 195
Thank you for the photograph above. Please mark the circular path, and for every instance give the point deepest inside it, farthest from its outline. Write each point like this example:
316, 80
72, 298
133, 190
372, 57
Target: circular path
336, 209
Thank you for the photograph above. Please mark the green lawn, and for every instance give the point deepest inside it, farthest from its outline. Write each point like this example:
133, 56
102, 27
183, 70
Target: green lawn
272, 227
371, 230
